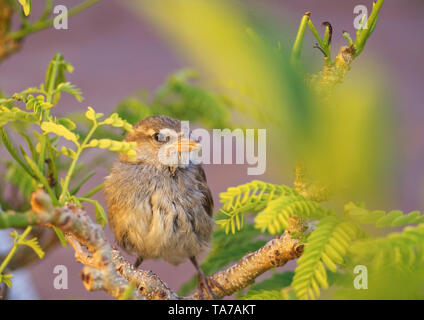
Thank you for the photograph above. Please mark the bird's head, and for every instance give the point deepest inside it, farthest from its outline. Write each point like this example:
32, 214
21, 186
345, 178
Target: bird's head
161, 141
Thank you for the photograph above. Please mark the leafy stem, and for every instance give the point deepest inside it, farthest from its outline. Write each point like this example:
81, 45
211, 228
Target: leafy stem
16, 220
11, 149
15, 247
93, 191
363, 36
47, 9
80, 149
297, 47
18, 241
44, 23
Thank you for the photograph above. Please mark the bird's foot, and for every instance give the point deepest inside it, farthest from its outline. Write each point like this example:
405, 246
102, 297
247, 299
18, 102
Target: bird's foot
138, 262
203, 283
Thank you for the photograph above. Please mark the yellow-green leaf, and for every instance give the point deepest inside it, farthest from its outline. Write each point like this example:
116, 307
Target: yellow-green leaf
92, 115
68, 152
61, 236
113, 145
67, 123
34, 245
26, 5
71, 89
15, 114
101, 217
60, 130
5, 278
115, 121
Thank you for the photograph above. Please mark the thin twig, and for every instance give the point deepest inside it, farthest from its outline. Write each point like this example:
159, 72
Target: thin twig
44, 24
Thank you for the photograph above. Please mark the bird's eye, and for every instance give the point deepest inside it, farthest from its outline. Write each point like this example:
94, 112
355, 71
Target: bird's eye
160, 137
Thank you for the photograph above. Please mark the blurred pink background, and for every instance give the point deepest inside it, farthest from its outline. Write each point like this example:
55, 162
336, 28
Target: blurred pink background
116, 53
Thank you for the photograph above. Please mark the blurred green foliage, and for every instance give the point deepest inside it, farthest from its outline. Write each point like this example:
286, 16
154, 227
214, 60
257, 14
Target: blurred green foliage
340, 133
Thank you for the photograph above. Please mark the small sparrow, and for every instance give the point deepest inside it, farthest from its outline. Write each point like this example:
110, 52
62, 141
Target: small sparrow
160, 209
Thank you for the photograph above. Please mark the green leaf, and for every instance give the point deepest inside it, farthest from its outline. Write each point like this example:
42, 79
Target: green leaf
181, 99
34, 245
380, 218
68, 152
5, 278
275, 217
15, 114
37, 103
101, 217
266, 295
327, 246
67, 123
71, 89
276, 281
60, 130
391, 216
26, 5
9, 146
94, 191
115, 121
83, 181
115, 146
55, 75
23, 94
92, 115
40, 176
61, 236
19, 178
14, 234
249, 197
30, 144
398, 249
297, 47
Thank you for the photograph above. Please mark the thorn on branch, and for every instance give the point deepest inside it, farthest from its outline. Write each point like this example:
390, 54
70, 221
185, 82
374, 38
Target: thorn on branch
330, 30
317, 46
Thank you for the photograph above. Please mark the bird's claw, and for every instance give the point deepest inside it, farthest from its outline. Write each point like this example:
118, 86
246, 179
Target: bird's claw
203, 283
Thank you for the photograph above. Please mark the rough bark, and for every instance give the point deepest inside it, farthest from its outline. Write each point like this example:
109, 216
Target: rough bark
106, 269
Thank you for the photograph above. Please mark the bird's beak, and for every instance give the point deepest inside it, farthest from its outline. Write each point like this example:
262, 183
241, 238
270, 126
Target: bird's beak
189, 144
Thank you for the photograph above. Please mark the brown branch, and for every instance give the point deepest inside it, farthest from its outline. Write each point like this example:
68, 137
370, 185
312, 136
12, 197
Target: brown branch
148, 283
7, 44
10, 40
106, 269
101, 274
275, 253
81, 255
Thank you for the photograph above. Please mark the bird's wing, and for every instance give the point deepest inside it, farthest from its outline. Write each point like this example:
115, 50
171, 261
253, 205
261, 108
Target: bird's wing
208, 200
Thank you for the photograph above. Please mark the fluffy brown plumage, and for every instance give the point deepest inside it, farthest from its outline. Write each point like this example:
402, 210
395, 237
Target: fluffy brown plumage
159, 210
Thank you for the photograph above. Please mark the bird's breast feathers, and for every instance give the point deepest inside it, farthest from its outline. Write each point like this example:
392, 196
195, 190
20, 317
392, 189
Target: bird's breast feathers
157, 214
